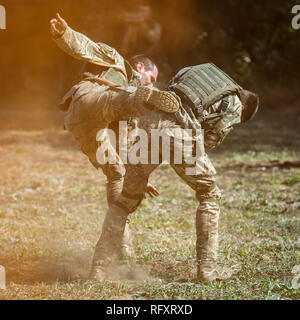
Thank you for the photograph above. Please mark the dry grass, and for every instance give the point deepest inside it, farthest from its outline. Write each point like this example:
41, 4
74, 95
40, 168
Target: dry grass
53, 203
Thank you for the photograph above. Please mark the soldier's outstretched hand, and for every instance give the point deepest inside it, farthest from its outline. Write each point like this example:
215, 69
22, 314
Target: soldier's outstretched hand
152, 191
58, 26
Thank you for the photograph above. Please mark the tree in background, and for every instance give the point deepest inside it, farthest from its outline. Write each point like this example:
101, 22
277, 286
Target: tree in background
251, 40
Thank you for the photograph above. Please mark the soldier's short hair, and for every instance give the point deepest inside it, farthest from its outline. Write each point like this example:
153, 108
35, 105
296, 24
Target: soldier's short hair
147, 61
250, 101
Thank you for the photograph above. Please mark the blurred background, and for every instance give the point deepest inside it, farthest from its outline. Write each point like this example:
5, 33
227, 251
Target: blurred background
252, 41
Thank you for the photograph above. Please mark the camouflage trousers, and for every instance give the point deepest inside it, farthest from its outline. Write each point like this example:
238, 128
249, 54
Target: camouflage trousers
92, 107
135, 182
114, 188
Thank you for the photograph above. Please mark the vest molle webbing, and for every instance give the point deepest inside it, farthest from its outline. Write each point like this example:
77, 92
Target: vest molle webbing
202, 85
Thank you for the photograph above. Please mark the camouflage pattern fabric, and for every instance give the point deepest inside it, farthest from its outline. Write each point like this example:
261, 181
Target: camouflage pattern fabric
114, 188
218, 124
91, 106
135, 182
81, 47
204, 183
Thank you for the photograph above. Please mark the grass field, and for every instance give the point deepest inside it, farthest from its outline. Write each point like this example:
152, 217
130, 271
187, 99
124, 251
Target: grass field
53, 202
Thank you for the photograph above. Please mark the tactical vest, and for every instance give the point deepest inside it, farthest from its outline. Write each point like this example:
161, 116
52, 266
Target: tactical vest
201, 86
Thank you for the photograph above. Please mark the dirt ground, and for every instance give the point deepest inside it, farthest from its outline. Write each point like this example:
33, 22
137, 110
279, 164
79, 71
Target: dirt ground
52, 205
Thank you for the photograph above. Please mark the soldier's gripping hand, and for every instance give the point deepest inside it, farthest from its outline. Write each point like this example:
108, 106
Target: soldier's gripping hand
152, 191
58, 26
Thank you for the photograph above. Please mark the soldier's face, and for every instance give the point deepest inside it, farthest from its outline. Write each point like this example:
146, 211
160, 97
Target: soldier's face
149, 77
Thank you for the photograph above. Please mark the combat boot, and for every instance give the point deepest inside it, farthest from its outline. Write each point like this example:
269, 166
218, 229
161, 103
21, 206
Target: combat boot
113, 190
207, 244
161, 100
108, 248
210, 271
127, 247
99, 271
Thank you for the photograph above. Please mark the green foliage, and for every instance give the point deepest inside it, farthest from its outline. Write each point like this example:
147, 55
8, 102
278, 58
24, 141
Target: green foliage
254, 42
251, 40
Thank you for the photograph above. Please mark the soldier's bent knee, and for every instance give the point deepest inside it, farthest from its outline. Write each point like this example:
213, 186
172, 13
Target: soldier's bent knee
210, 193
129, 202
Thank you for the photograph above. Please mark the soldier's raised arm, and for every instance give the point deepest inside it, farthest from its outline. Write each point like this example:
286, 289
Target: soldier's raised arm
81, 47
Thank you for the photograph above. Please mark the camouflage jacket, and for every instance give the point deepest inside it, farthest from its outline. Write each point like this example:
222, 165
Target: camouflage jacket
81, 47
111, 66
217, 125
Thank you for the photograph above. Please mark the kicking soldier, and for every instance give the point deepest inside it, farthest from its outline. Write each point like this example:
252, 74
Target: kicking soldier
111, 90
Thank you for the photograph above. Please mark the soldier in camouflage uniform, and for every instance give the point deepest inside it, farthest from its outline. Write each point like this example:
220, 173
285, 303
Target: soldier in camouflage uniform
113, 91
208, 99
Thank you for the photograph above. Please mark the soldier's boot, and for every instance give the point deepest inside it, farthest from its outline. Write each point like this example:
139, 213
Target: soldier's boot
161, 100
109, 245
207, 244
113, 190
127, 247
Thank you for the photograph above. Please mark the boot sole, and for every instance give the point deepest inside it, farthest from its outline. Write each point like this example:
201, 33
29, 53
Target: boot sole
161, 100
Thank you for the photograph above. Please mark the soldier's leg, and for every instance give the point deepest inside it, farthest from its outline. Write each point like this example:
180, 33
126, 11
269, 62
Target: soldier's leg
207, 217
99, 105
115, 173
114, 185
113, 191
110, 242
109, 245
122, 104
